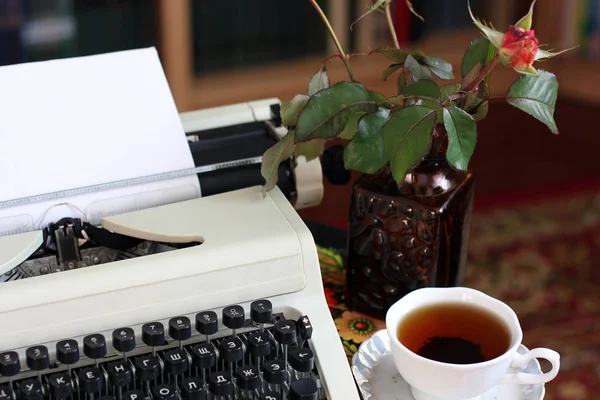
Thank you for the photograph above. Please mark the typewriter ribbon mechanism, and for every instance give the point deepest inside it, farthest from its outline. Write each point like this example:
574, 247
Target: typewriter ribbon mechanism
207, 297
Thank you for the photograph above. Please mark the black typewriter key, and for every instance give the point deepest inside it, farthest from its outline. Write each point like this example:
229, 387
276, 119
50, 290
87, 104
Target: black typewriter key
261, 312
9, 363
304, 389
153, 335
107, 398
270, 395
60, 385
119, 375
147, 367
123, 340
67, 352
94, 346
192, 389
204, 357
275, 375
305, 328
220, 384
31, 389
285, 332
207, 323
301, 359
134, 395
176, 363
231, 350
91, 380
180, 329
234, 317
37, 358
248, 380
164, 392
259, 346
6, 392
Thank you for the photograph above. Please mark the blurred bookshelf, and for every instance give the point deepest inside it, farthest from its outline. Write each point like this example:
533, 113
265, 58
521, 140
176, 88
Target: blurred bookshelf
217, 53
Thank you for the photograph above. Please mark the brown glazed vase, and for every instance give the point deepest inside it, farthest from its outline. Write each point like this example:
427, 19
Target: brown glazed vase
409, 236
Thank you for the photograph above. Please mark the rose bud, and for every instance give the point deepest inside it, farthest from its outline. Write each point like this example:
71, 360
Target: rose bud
520, 47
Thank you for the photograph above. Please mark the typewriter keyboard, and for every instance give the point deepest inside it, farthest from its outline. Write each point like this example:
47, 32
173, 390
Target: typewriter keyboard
261, 356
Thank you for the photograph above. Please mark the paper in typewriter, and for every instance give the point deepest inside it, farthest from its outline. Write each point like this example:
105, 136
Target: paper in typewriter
77, 122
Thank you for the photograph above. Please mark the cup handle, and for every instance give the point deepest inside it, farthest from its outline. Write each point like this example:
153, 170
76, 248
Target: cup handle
521, 361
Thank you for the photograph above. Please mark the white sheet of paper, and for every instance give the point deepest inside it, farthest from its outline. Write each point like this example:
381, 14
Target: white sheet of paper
76, 122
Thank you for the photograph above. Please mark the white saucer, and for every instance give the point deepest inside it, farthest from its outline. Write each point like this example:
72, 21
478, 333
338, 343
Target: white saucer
377, 378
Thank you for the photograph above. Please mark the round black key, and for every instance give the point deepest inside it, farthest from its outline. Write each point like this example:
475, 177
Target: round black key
204, 356
270, 396
274, 372
9, 363
134, 395
60, 385
6, 392
37, 358
119, 373
123, 339
191, 389
153, 334
248, 378
67, 351
261, 311
207, 323
164, 392
231, 350
94, 346
220, 383
147, 367
304, 389
180, 328
285, 331
259, 344
31, 389
176, 362
91, 380
301, 359
234, 317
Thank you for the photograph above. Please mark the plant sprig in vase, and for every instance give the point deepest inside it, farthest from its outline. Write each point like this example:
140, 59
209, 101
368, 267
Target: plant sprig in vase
399, 131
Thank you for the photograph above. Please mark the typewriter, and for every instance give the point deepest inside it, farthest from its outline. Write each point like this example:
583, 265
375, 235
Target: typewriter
214, 297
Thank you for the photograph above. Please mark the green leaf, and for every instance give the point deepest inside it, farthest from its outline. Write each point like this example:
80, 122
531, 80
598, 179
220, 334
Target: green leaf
481, 110
542, 55
390, 70
417, 71
470, 77
462, 136
399, 55
526, 21
407, 138
495, 37
318, 82
402, 82
423, 89
479, 51
378, 97
352, 126
327, 112
373, 7
441, 68
448, 90
280, 151
365, 152
536, 95
291, 109
311, 149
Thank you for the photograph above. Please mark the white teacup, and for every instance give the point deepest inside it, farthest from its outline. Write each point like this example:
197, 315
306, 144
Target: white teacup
434, 380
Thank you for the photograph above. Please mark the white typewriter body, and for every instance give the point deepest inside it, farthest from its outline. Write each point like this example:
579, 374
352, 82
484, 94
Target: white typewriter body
248, 247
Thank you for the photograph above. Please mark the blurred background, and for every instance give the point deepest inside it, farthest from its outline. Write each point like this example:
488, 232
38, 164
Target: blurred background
536, 228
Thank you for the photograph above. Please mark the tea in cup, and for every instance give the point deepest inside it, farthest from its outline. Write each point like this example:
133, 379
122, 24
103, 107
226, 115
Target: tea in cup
458, 343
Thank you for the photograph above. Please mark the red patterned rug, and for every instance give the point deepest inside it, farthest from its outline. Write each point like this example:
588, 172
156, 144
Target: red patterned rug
543, 260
